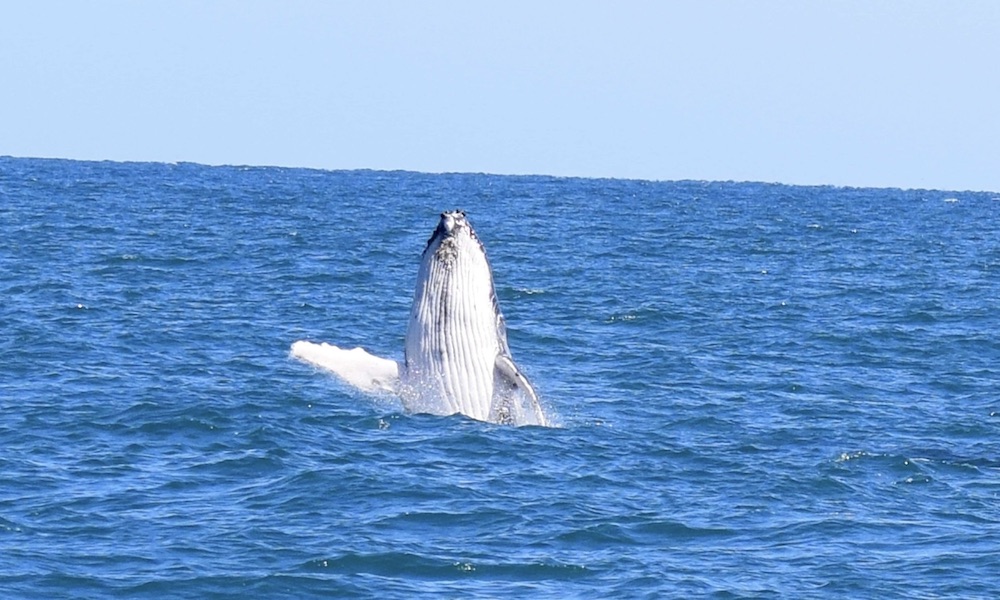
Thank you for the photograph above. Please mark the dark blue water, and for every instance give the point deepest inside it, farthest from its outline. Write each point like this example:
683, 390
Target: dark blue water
764, 390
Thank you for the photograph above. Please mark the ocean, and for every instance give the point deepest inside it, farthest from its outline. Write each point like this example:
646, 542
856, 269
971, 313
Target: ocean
760, 390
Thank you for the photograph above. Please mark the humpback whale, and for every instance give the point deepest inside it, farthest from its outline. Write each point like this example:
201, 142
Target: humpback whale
456, 355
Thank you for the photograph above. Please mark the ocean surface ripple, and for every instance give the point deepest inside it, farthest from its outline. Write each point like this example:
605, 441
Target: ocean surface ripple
763, 391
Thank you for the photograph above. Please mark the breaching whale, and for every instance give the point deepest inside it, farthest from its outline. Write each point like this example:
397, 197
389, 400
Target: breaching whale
456, 356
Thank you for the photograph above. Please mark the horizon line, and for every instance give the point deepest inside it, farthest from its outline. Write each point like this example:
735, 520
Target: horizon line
497, 174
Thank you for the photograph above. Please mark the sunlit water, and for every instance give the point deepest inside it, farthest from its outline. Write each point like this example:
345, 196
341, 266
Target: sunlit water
763, 390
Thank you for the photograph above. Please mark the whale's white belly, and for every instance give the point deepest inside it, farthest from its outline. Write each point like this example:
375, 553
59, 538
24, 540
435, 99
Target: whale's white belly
452, 340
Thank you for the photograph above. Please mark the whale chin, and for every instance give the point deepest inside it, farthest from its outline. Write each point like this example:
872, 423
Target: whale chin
457, 359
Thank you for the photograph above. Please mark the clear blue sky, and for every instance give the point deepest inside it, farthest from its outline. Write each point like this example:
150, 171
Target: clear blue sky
855, 92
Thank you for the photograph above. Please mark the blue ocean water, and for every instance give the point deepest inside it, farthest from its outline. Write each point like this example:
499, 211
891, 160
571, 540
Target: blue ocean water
763, 391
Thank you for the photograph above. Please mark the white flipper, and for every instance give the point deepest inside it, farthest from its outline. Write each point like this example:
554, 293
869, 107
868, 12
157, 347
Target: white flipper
364, 371
514, 400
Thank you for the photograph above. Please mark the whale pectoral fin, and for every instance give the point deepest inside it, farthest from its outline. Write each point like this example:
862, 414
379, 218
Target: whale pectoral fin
514, 400
367, 372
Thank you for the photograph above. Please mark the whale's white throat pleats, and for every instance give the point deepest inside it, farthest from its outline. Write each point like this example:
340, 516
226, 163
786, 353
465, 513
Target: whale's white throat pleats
456, 340
457, 359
